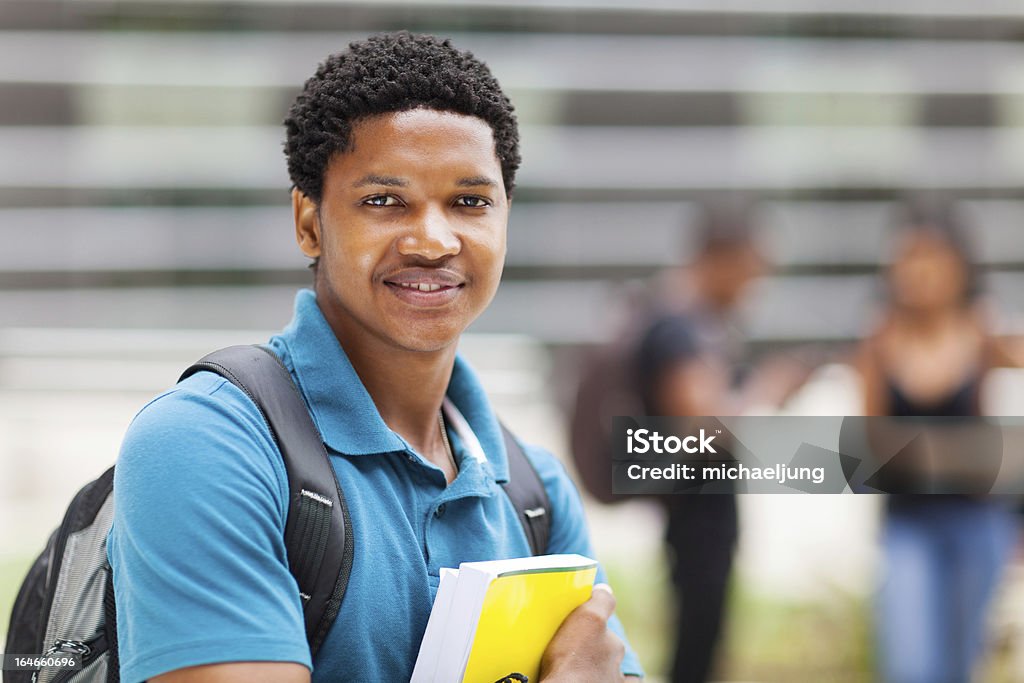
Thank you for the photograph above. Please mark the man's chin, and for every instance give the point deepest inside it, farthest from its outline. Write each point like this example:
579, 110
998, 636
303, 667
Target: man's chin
428, 331
428, 342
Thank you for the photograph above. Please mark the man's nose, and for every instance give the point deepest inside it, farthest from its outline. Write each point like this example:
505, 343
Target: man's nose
430, 235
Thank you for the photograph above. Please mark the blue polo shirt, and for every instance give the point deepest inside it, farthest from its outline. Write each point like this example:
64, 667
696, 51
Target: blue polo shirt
201, 499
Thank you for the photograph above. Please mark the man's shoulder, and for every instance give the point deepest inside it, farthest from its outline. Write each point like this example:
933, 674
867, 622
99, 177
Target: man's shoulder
552, 472
201, 398
544, 461
201, 424
668, 338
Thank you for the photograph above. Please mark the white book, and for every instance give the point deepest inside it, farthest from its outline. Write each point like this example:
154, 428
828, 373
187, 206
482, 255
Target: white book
430, 647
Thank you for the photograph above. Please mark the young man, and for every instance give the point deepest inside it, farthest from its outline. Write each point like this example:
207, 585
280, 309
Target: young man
688, 363
403, 152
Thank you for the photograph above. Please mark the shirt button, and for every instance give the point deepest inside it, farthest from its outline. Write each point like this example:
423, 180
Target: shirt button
439, 512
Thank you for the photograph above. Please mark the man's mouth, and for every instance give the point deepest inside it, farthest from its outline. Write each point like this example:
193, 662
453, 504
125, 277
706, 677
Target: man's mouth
421, 286
425, 286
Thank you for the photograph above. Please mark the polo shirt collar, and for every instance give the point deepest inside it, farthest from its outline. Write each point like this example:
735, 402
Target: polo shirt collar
467, 394
343, 410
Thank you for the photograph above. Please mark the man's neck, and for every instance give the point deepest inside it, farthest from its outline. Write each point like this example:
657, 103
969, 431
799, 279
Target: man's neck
407, 387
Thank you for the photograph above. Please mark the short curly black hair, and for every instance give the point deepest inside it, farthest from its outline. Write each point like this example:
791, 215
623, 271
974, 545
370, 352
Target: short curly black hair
392, 72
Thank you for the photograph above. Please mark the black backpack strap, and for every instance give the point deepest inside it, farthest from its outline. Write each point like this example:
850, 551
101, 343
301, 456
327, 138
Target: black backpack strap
526, 491
318, 534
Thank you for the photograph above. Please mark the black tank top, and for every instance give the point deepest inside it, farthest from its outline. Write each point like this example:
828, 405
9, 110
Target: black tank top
960, 402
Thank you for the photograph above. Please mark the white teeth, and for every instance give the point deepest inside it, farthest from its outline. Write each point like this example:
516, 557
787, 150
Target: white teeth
422, 286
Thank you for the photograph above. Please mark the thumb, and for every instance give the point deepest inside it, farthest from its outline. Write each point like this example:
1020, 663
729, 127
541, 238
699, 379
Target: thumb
602, 600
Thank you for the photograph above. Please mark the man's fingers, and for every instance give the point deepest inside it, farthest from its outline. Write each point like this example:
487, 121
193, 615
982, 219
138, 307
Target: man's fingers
602, 601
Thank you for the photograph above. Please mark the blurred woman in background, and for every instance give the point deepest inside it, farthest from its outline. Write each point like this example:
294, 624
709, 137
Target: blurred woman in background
943, 554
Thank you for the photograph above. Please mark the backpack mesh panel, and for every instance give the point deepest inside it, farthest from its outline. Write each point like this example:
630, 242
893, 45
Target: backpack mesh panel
78, 609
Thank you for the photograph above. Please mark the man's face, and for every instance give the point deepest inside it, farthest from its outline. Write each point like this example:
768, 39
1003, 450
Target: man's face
729, 270
410, 231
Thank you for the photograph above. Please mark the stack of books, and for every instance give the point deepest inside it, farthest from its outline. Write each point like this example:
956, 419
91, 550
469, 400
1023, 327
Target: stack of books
491, 619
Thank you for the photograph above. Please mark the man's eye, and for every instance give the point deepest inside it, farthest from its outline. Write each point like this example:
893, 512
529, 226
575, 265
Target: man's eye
473, 202
381, 200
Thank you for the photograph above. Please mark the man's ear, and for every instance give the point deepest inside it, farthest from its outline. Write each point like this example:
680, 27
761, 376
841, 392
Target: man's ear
307, 223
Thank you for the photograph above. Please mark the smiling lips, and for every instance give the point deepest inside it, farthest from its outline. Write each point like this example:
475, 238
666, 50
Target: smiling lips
425, 286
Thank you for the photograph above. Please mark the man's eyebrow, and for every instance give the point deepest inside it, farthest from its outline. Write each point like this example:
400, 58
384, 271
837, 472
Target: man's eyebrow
476, 181
386, 180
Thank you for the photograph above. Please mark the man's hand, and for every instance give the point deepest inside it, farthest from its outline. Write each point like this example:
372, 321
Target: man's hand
584, 649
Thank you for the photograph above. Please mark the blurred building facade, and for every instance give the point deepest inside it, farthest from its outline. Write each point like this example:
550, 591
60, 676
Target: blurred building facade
142, 183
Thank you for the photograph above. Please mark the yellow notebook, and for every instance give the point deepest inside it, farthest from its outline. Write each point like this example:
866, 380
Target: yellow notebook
494, 618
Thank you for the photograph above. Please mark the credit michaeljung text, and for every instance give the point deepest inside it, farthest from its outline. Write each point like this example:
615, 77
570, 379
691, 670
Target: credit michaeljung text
783, 454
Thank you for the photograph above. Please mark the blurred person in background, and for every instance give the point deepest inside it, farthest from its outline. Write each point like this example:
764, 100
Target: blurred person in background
929, 356
690, 361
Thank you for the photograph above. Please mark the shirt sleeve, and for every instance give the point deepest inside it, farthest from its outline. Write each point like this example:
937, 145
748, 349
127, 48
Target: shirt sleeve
197, 542
569, 533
